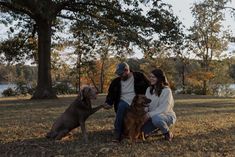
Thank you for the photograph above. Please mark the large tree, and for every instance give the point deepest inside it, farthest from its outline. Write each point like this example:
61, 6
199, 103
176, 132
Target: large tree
209, 40
124, 18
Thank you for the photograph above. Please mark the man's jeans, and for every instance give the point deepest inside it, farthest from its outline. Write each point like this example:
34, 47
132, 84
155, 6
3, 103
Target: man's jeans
163, 122
118, 125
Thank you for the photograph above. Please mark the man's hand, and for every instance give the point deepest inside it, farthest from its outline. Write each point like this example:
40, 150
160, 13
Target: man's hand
106, 106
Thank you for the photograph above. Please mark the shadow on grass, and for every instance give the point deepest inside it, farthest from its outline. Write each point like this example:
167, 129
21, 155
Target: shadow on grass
101, 140
72, 144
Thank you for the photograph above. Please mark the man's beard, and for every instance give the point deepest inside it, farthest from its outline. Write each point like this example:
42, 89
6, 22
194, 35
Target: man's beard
124, 78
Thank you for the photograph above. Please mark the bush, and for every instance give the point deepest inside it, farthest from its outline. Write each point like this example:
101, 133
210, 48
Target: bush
63, 88
192, 90
9, 92
24, 89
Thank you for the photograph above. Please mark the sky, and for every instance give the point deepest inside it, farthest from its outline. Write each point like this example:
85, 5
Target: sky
182, 9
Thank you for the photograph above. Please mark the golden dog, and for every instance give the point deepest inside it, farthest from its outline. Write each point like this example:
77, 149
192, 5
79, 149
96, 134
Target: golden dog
135, 117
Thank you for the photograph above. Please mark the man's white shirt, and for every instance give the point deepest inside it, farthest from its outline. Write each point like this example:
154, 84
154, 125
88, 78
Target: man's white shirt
127, 90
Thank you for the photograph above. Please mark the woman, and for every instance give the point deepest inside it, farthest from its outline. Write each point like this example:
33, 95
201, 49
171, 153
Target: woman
160, 113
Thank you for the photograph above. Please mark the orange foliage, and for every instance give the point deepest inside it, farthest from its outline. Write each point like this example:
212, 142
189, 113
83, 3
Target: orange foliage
92, 76
196, 78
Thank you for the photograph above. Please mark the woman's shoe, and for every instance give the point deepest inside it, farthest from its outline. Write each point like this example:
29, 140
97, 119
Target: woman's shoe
168, 136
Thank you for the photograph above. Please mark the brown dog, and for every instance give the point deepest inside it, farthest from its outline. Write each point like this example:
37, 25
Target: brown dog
135, 117
75, 115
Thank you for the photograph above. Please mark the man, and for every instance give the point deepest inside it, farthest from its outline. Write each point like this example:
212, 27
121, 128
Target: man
121, 93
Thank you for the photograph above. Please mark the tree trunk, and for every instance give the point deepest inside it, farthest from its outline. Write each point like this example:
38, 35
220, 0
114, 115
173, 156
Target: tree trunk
204, 89
44, 82
102, 76
183, 78
79, 71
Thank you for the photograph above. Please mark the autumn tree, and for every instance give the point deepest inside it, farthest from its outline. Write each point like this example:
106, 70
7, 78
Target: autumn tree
96, 47
81, 56
182, 66
123, 18
208, 38
7, 73
59, 68
220, 82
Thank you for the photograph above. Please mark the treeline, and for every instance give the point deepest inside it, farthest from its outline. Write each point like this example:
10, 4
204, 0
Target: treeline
18, 73
97, 31
184, 75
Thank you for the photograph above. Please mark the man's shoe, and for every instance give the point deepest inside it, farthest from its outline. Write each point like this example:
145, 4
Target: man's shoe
168, 136
117, 138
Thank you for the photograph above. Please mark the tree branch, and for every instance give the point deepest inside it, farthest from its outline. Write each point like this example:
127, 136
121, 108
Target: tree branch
16, 9
67, 17
233, 9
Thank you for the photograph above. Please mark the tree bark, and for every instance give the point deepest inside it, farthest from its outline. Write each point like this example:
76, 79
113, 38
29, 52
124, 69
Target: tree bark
204, 89
44, 82
183, 78
102, 75
79, 71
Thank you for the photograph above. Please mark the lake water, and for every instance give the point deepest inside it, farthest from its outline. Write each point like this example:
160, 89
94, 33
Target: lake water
5, 86
232, 86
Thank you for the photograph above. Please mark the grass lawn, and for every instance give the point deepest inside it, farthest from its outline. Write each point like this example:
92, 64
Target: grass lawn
205, 127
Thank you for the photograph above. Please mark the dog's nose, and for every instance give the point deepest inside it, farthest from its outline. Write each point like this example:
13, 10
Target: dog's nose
148, 101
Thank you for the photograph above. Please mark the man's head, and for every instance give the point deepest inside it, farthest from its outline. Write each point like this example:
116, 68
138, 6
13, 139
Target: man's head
123, 70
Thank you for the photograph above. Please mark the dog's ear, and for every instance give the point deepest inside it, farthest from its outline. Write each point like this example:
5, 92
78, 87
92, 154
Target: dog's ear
83, 93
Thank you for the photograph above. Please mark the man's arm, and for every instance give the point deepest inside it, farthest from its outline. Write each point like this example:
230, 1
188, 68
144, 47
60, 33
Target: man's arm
110, 96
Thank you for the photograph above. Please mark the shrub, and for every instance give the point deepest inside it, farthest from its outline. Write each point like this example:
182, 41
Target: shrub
9, 92
24, 89
63, 88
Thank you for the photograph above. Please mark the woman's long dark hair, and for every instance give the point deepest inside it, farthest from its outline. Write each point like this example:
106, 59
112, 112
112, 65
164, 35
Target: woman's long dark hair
161, 82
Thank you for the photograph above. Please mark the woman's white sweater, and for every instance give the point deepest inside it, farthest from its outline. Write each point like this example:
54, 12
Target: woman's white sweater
162, 104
